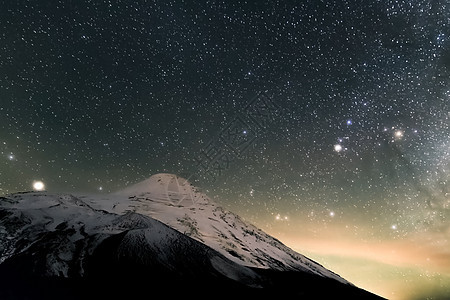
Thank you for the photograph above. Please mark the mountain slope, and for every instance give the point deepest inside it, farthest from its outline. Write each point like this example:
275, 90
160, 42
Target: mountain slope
175, 202
147, 240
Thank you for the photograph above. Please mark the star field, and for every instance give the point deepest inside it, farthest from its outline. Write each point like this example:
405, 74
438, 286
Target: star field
96, 95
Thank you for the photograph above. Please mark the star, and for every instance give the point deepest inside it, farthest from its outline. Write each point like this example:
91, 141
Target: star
338, 148
279, 217
38, 185
398, 134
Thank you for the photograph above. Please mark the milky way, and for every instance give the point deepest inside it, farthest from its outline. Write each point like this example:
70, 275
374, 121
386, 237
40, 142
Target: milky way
306, 117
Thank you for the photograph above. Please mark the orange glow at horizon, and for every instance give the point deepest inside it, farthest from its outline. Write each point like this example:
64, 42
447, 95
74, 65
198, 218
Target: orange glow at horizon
397, 269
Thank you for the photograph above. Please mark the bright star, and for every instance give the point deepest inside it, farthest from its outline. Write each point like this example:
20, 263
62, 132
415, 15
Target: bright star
338, 148
349, 122
279, 217
38, 185
331, 213
398, 134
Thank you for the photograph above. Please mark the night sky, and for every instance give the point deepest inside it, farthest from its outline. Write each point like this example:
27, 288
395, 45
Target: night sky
325, 123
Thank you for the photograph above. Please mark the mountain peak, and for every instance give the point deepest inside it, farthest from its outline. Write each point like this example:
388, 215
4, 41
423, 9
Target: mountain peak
167, 188
176, 202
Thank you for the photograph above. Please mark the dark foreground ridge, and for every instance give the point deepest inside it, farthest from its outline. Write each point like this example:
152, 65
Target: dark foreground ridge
127, 266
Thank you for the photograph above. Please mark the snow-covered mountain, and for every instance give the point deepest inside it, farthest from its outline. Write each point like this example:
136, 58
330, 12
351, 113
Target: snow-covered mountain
161, 230
175, 202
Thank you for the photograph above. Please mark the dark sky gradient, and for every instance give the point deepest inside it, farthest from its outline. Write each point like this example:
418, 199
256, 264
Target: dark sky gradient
96, 95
